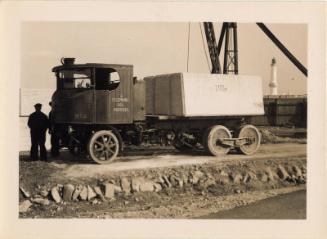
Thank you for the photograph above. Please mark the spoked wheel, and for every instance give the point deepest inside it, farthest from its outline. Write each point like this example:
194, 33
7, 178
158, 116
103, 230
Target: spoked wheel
252, 138
213, 140
103, 147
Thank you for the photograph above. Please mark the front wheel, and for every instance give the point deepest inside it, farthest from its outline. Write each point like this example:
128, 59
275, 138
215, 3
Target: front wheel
103, 146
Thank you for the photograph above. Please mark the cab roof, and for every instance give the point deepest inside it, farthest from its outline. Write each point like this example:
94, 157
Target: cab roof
88, 65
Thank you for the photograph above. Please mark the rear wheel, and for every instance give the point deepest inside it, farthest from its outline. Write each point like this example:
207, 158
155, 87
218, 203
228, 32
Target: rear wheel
103, 146
252, 138
213, 140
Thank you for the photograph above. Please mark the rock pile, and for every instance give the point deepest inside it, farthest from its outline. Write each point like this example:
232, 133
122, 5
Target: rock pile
198, 178
268, 137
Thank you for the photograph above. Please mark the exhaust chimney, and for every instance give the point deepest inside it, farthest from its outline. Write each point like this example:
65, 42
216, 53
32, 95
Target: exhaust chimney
67, 61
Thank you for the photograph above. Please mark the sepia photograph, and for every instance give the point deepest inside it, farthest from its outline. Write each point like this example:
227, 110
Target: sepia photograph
163, 119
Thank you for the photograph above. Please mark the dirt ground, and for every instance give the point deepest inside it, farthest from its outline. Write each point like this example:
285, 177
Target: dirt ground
186, 205
67, 167
189, 201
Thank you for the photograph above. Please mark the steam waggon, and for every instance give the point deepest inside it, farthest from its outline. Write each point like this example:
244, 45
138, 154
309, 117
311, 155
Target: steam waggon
99, 108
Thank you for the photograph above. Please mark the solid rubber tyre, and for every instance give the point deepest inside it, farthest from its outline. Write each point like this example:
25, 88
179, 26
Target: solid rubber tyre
103, 146
211, 140
249, 131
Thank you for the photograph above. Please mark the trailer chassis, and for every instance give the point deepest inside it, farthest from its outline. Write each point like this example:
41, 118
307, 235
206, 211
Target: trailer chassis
214, 135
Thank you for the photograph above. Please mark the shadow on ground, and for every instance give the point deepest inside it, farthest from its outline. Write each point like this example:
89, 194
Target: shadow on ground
128, 155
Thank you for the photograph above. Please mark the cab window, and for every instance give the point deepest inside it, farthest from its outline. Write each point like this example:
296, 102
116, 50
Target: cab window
74, 79
106, 79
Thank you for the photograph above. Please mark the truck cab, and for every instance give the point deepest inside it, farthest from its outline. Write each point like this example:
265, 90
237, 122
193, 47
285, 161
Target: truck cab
93, 93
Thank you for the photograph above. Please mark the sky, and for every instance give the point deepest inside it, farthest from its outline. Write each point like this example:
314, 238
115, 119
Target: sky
157, 48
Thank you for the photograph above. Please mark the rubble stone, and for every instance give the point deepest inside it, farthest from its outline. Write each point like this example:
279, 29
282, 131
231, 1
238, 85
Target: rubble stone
264, 177
41, 201
44, 192
272, 176
157, 187
184, 178
146, 186
24, 206
167, 183
246, 178
60, 188
68, 192
55, 194
180, 183
109, 190
98, 192
173, 180
125, 185
282, 173
25, 192
297, 171
304, 169
223, 180
59, 209
237, 178
136, 182
237, 191
90, 193
252, 176
77, 192
160, 181
117, 189
177, 181
208, 182
95, 202
196, 176
83, 193
223, 173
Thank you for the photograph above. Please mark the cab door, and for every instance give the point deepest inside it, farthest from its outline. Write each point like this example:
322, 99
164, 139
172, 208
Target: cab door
113, 95
73, 101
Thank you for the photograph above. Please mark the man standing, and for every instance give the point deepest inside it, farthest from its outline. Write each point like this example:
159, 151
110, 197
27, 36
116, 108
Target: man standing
38, 123
54, 134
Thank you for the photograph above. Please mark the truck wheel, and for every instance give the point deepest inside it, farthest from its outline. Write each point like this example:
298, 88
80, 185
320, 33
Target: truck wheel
103, 146
212, 140
253, 138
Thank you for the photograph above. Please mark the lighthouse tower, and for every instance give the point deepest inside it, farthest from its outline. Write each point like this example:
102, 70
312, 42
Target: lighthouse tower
273, 81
